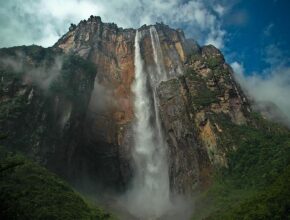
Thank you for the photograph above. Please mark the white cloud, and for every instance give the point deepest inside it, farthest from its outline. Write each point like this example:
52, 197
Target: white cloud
220, 9
43, 22
272, 86
66, 9
216, 37
238, 68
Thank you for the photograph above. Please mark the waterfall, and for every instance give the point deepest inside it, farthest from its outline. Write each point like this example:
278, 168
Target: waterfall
158, 56
149, 197
156, 77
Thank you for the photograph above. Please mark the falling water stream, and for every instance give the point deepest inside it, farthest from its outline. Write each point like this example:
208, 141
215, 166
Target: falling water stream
149, 197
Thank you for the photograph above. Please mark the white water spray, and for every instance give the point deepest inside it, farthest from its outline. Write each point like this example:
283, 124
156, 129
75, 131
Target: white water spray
149, 197
161, 74
156, 77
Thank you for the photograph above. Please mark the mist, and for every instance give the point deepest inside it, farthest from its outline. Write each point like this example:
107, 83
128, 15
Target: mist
40, 74
101, 98
269, 91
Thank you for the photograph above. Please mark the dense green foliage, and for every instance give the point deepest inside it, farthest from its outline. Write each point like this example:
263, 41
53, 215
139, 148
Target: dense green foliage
28, 191
271, 203
261, 150
256, 184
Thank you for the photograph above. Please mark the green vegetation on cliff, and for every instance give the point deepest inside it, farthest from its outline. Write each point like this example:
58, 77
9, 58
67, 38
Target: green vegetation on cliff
273, 202
28, 191
256, 183
253, 180
39, 87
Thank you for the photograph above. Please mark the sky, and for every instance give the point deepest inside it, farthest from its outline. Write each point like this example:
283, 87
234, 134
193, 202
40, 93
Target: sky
254, 35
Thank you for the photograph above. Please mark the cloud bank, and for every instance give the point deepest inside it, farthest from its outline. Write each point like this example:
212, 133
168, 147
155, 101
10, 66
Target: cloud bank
271, 87
43, 22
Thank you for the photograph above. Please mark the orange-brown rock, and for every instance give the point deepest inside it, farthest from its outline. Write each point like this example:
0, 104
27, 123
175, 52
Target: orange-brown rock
84, 123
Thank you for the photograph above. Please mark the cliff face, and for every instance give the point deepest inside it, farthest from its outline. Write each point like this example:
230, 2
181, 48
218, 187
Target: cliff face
44, 99
190, 106
87, 134
112, 50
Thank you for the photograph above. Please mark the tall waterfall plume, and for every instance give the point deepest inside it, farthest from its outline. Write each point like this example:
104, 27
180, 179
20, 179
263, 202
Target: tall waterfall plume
149, 197
160, 74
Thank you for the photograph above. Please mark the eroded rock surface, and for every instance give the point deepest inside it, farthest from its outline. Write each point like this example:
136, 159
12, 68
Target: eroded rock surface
79, 123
